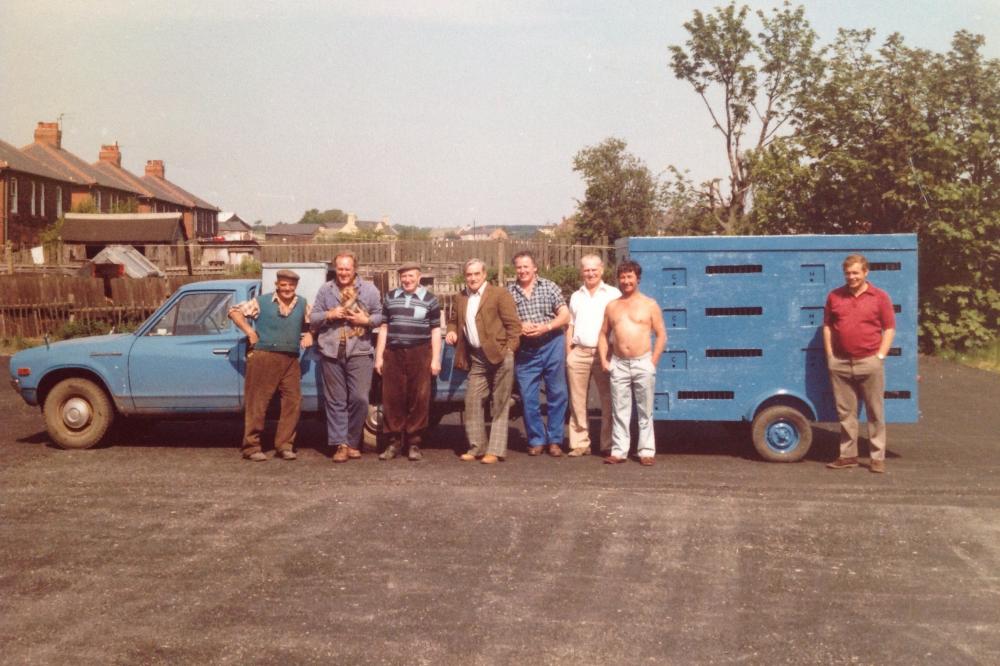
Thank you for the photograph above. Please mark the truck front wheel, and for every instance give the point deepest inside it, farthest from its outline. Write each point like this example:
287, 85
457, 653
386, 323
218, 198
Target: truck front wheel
77, 413
781, 434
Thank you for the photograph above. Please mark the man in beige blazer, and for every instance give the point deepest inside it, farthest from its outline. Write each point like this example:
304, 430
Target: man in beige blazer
485, 329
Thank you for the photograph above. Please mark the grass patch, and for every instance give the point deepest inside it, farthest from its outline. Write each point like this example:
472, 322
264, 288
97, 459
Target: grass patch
984, 358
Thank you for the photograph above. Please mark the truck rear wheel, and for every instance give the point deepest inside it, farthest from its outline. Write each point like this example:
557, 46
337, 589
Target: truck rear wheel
781, 434
77, 413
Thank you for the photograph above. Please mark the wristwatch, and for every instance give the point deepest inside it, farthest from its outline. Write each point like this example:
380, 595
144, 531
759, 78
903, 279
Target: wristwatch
880, 357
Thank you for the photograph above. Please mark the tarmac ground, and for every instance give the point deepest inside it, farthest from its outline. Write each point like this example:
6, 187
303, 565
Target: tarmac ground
166, 547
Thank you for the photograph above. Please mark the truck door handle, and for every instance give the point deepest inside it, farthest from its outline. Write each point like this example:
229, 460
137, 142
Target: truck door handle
220, 352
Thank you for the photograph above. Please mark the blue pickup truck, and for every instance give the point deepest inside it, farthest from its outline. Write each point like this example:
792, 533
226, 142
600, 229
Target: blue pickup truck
186, 360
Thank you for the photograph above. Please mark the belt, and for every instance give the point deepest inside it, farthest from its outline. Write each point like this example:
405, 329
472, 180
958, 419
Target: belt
540, 341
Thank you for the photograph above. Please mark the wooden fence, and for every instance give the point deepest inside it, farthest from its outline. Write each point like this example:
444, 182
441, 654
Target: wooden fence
39, 300
377, 255
32, 306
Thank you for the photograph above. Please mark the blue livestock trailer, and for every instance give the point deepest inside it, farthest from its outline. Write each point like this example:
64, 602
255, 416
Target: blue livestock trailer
744, 318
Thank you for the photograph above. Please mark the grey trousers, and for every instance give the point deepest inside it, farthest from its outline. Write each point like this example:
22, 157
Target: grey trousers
632, 377
486, 380
864, 379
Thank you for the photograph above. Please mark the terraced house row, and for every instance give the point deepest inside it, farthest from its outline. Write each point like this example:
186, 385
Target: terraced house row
42, 181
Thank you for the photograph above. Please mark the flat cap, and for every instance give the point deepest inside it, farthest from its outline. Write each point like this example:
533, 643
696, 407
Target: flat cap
285, 274
408, 266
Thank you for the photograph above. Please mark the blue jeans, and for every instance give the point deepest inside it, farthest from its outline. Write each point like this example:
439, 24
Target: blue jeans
533, 365
345, 396
632, 377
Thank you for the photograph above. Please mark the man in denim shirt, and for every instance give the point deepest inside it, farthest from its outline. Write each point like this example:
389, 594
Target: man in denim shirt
346, 311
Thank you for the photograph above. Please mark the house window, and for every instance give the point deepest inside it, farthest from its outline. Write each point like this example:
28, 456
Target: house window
58, 201
97, 200
43, 200
33, 193
13, 195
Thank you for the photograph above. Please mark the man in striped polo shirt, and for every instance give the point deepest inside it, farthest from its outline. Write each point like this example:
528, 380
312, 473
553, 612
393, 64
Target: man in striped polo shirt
408, 356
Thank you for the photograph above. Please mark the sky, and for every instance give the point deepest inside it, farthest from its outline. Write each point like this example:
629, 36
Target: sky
433, 113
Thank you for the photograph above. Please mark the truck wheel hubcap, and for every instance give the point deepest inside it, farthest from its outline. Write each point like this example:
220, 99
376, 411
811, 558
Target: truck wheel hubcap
76, 413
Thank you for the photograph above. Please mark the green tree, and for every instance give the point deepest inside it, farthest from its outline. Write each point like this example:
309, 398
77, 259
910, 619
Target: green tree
901, 140
621, 194
411, 232
332, 217
760, 82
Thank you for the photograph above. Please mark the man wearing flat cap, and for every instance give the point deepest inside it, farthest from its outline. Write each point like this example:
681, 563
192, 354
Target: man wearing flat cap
408, 356
282, 328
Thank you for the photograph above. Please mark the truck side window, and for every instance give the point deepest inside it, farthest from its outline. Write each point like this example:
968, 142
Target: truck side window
196, 314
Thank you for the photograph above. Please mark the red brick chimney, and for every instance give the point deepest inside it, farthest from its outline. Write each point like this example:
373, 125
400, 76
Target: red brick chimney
155, 168
49, 133
111, 154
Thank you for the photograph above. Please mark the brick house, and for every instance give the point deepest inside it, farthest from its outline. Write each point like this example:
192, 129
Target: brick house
32, 197
81, 178
158, 195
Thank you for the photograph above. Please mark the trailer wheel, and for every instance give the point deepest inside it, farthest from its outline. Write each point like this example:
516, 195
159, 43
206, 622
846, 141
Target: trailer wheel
77, 413
781, 434
372, 430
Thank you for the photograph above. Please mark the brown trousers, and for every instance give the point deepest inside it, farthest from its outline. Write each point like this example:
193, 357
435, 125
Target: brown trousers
406, 393
268, 372
852, 379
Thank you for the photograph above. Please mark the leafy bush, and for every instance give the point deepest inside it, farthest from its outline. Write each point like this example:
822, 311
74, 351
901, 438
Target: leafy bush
82, 328
248, 268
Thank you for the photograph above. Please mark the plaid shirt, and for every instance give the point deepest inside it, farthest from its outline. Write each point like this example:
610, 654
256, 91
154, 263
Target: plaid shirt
251, 309
546, 299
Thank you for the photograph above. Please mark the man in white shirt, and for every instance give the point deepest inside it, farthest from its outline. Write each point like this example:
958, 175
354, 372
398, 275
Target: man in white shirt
586, 307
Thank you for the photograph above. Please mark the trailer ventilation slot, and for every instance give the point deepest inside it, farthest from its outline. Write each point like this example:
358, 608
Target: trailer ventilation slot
897, 308
705, 395
733, 312
733, 353
885, 266
897, 395
895, 351
734, 268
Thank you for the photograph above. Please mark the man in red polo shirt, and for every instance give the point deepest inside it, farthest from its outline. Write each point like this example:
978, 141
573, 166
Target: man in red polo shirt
858, 327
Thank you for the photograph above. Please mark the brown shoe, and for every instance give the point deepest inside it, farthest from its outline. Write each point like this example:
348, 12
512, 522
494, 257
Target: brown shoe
341, 455
646, 461
467, 457
580, 452
843, 463
287, 454
256, 457
614, 460
353, 453
535, 450
490, 459
555, 450
877, 466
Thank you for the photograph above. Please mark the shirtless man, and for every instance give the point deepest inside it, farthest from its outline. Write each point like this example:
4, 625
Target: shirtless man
628, 322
